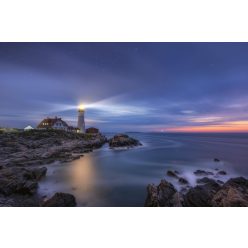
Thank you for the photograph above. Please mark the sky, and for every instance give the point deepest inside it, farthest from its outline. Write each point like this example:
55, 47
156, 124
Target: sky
161, 87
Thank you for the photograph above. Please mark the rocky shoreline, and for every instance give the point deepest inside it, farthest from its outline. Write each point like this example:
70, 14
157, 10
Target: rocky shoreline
208, 192
38, 147
23, 153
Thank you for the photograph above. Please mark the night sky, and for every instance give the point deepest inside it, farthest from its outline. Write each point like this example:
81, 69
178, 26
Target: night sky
126, 86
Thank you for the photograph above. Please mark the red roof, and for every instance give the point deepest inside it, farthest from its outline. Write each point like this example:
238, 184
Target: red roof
49, 122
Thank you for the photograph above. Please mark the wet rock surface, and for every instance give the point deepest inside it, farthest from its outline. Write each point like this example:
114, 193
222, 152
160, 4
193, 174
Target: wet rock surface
208, 192
38, 147
172, 173
23, 153
123, 140
221, 172
201, 195
182, 180
161, 195
17, 180
18, 186
60, 200
234, 193
203, 173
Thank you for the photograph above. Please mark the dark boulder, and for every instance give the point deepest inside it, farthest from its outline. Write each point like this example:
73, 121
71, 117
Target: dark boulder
205, 180
161, 195
172, 173
39, 173
234, 193
36, 173
185, 189
221, 173
123, 140
17, 186
26, 187
152, 196
177, 200
60, 200
216, 160
220, 182
203, 173
201, 195
182, 180
16, 180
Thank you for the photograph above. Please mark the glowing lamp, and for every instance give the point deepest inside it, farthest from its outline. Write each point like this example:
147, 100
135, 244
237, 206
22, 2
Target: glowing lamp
81, 107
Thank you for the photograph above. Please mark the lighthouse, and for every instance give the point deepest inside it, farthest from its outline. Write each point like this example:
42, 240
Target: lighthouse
81, 123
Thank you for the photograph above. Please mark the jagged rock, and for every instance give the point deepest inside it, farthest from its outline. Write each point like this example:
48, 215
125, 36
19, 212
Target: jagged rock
177, 200
209, 192
172, 174
16, 180
184, 190
152, 197
17, 186
234, 193
123, 140
203, 173
182, 180
160, 196
201, 195
60, 200
26, 187
205, 180
36, 173
216, 160
221, 173
6, 202
39, 173
220, 182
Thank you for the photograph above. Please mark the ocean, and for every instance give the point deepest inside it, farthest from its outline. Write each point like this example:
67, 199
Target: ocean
108, 177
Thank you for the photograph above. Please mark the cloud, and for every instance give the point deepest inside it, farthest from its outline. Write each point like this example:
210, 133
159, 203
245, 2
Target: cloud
205, 119
187, 111
125, 85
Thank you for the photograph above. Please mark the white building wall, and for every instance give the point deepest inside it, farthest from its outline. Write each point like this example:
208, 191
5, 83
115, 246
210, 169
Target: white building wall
81, 123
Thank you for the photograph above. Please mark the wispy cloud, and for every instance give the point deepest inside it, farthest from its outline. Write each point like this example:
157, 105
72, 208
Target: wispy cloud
205, 119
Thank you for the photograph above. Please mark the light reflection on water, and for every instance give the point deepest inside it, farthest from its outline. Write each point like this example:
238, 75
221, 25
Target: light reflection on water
107, 177
83, 174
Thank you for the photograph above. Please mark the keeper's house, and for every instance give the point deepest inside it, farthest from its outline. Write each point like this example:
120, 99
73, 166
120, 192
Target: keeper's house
54, 123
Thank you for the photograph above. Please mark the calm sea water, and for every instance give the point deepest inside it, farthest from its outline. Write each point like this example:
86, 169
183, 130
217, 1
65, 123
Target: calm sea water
108, 177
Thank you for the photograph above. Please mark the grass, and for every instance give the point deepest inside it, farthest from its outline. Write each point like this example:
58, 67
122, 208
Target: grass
37, 134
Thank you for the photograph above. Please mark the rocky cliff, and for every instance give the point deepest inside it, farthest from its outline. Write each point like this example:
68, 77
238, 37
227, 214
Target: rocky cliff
22, 153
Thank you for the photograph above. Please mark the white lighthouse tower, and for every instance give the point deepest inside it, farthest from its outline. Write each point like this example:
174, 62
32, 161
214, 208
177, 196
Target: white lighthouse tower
81, 123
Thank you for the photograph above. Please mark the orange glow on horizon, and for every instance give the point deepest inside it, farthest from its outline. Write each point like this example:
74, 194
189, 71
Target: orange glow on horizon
234, 126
